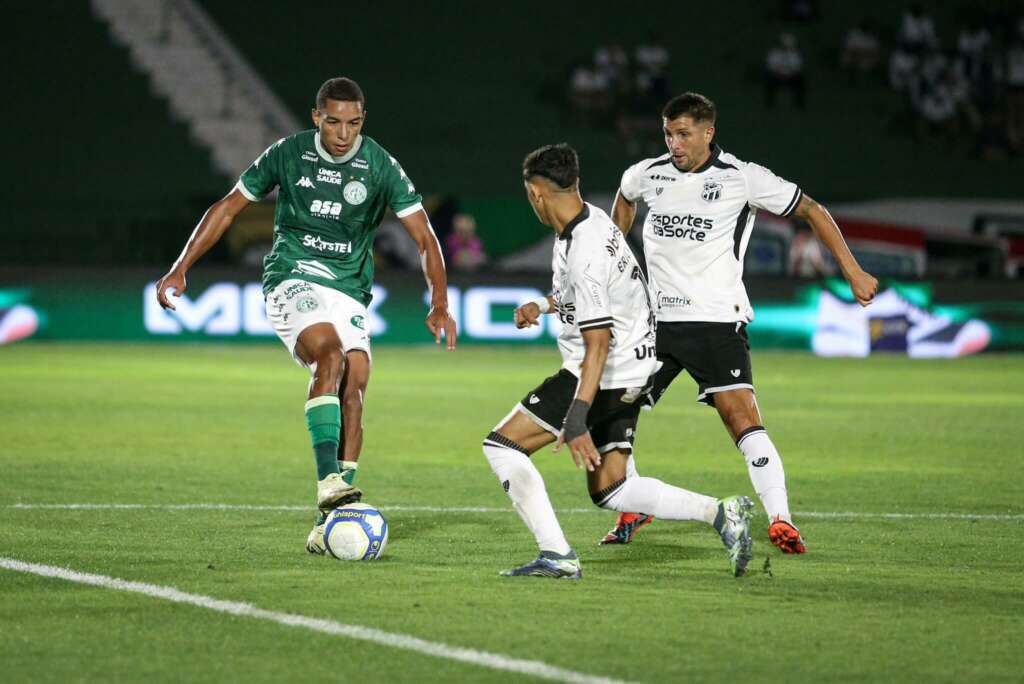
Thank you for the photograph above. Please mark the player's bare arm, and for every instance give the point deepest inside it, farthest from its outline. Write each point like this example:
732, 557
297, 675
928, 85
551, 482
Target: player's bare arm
439, 319
529, 314
623, 213
863, 284
575, 432
215, 222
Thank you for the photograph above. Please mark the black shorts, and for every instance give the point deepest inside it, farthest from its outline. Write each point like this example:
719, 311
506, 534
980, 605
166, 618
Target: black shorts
716, 355
612, 418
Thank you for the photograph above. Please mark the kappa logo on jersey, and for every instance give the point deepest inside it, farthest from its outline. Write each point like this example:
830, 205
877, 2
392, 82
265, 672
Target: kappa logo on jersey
712, 191
318, 243
325, 209
329, 176
304, 182
354, 193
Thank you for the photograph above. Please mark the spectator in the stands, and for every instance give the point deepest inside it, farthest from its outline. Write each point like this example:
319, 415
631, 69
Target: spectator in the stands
917, 32
862, 51
651, 57
971, 44
589, 93
937, 108
806, 257
903, 66
1015, 93
784, 70
464, 247
612, 62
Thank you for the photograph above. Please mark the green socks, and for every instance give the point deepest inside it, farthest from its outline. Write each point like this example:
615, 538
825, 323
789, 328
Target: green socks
348, 470
323, 419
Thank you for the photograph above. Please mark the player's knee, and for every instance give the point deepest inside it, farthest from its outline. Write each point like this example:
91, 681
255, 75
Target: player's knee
329, 362
609, 498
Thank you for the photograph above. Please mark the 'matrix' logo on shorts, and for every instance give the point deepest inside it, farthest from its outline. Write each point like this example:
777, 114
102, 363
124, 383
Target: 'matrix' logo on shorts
359, 322
760, 462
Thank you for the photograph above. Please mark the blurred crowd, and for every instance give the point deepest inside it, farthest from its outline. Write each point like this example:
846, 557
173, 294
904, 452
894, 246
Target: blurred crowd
622, 89
970, 83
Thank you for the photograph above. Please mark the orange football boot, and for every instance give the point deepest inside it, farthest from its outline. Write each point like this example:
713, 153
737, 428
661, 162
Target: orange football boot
785, 536
626, 527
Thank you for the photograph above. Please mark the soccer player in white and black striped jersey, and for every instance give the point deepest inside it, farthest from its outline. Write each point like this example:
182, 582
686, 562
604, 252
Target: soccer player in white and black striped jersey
701, 205
591, 404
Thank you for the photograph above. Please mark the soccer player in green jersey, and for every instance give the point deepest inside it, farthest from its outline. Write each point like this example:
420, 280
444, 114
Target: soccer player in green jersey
334, 187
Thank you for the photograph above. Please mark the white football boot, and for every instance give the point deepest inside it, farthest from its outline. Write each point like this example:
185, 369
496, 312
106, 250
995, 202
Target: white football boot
333, 491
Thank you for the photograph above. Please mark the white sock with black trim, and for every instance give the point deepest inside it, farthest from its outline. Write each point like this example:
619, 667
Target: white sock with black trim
522, 481
766, 472
654, 497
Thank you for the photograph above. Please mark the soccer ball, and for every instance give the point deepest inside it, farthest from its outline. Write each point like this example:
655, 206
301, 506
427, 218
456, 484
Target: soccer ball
355, 531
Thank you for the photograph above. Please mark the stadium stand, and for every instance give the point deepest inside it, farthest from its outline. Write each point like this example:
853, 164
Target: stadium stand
109, 177
447, 99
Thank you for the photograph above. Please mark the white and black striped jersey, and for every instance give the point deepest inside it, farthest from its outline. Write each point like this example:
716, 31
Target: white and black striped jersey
697, 229
597, 283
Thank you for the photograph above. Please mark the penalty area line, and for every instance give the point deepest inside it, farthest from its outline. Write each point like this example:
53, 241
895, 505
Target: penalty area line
822, 515
494, 661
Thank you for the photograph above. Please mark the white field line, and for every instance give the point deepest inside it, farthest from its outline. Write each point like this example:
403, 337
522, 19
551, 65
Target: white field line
825, 515
495, 661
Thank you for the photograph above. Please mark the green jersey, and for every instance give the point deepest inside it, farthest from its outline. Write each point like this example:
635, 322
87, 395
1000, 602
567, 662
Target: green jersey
328, 209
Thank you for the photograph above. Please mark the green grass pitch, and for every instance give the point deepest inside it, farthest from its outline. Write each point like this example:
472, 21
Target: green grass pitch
916, 598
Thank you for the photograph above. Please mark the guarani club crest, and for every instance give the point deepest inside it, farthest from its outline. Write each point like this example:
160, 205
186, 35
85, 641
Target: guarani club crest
712, 191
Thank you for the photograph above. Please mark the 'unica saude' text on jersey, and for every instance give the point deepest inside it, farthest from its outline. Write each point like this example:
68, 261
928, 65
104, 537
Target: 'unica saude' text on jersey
328, 209
597, 283
697, 229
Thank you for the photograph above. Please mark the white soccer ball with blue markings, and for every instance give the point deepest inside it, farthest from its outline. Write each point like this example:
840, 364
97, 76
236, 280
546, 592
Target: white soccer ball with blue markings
355, 531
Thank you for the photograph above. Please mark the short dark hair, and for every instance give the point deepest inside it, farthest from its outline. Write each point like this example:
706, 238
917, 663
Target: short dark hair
558, 163
344, 89
693, 105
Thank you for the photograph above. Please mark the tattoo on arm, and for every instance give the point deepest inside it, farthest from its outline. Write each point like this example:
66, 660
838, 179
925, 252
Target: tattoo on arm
804, 209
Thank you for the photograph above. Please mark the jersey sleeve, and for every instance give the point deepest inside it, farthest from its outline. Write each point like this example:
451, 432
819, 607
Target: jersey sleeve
767, 191
632, 185
401, 193
264, 174
589, 265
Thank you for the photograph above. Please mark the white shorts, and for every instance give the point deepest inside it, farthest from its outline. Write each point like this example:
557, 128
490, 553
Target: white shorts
294, 305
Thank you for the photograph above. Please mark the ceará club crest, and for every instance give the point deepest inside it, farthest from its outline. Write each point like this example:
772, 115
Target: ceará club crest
712, 191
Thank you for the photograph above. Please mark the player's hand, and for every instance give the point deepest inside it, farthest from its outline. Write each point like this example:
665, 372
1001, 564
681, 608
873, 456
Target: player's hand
440, 321
174, 280
528, 314
864, 286
583, 451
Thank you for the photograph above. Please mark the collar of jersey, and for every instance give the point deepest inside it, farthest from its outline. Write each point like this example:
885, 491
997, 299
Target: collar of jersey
580, 218
326, 156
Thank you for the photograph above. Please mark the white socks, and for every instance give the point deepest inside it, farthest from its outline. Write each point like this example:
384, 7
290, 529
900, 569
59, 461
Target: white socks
765, 467
654, 497
523, 482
